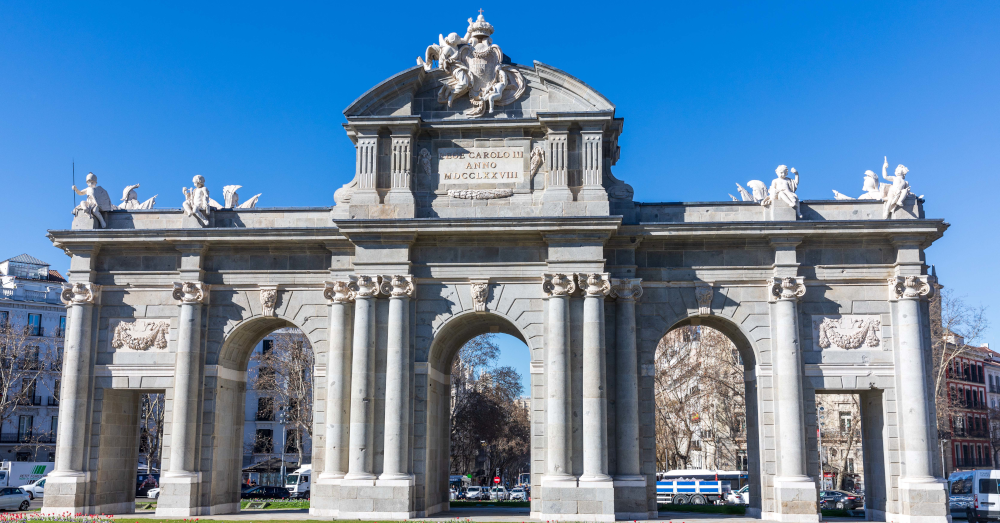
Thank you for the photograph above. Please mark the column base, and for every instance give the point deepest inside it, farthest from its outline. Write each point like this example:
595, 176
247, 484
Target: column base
375, 499
66, 492
325, 495
795, 499
922, 501
586, 501
179, 496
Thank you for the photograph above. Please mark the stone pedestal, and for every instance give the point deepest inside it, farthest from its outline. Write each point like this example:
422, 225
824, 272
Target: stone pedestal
376, 499
179, 495
779, 211
568, 501
325, 498
922, 502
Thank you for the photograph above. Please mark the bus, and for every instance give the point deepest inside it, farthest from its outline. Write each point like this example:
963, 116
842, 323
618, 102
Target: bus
737, 479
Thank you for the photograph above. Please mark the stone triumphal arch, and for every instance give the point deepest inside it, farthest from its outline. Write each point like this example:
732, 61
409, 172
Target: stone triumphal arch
484, 201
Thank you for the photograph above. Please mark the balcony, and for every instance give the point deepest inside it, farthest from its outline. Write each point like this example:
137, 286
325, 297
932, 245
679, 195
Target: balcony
26, 437
264, 416
7, 293
53, 401
29, 401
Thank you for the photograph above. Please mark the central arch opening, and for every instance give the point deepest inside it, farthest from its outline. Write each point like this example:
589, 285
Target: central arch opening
479, 410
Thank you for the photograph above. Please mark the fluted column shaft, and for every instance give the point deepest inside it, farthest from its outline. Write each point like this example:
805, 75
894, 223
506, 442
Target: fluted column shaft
184, 421
397, 397
338, 381
595, 419
626, 291
558, 287
913, 386
788, 377
74, 391
363, 381
367, 160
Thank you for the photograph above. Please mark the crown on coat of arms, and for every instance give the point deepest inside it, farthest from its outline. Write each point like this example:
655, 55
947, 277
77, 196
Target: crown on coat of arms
481, 27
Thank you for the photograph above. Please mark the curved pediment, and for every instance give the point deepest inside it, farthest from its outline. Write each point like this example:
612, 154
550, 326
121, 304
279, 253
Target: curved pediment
414, 92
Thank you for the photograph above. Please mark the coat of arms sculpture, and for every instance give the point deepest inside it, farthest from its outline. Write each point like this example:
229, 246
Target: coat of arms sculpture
473, 65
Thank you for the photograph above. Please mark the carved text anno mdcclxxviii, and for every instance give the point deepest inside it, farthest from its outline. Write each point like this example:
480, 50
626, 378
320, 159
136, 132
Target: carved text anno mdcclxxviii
481, 164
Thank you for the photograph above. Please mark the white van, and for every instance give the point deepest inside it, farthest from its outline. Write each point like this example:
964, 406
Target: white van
975, 494
298, 482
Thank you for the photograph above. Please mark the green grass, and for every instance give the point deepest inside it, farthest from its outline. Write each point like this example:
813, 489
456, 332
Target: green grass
275, 505
487, 504
705, 509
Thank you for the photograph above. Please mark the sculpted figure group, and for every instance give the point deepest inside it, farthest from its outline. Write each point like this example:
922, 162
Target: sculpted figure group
782, 188
197, 202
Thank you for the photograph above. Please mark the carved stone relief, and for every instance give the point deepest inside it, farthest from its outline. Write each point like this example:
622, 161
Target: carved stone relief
483, 194
849, 331
480, 292
141, 335
268, 299
703, 293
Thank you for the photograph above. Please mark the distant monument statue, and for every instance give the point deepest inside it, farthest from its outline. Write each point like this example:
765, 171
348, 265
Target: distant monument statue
783, 188
474, 66
196, 200
873, 189
97, 201
130, 200
897, 192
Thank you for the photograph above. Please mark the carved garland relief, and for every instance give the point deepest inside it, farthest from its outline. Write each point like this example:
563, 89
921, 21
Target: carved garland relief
141, 335
851, 331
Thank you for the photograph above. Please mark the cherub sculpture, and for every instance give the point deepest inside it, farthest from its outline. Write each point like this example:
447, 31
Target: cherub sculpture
897, 192
445, 51
96, 202
783, 188
130, 199
196, 200
873, 189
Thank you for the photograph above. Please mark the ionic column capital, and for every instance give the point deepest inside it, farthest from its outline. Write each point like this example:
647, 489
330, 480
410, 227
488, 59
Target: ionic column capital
366, 286
787, 288
338, 291
910, 287
594, 284
189, 292
398, 286
627, 289
79, 293
558, 284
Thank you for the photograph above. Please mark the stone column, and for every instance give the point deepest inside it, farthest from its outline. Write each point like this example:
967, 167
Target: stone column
363, 381
557, 186
558, 287
401, 170
794, 489
918, 447
595, 408
366, 167
338, 381
67, 479
592, 163
397, 390
627, 291
179, 487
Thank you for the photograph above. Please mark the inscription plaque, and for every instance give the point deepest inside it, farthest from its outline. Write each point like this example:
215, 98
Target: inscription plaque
481, 165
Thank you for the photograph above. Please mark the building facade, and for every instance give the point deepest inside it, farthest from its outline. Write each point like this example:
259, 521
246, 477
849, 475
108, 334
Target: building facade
30, 308
488, 204
970, 446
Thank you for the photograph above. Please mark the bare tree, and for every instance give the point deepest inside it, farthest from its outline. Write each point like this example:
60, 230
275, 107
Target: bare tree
284, 373
151, 429
486, 417
24, 359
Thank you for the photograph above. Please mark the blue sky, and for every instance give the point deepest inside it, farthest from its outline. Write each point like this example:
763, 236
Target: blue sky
711, 93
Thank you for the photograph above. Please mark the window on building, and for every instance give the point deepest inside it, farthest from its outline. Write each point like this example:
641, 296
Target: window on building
743, 460
30, 361
62, 327
291, 441
265, 409
845, 422
55, 390
850, 465
4, 318
267, 346
24, 426
264, 441
54, 425
28, 390
52, 456
34, 326
23, 456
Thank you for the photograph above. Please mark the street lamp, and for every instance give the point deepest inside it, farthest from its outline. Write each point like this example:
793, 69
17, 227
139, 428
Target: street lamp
819, 438
282, 419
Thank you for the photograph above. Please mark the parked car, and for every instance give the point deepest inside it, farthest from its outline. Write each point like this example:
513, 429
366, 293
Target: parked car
739, 497
475, 493
35, 489
499, 494
518, 494
264, 492
840, 500
153, 493
13, 498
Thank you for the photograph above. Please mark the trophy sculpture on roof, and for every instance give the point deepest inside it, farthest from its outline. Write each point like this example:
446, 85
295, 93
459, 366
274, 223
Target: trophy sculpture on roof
474, 66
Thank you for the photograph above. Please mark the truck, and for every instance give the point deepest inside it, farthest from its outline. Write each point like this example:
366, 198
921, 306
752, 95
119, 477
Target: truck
298, 482
17, 473
691, 491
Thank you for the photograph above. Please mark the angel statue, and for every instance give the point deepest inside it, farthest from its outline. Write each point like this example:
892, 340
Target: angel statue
130, 199
897, 192
445, 51
196, 200
424, 161
873, 189
97, 200
537, 159
783, 188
